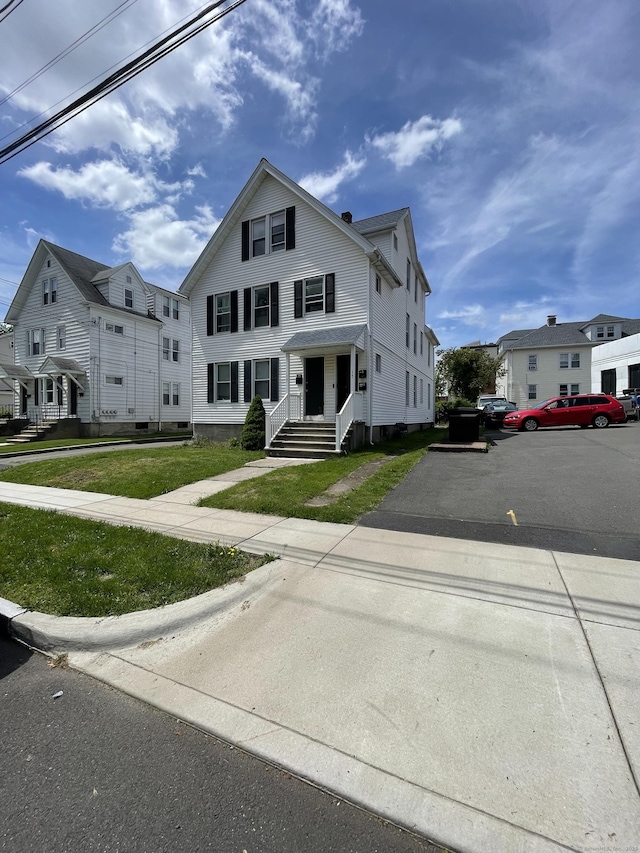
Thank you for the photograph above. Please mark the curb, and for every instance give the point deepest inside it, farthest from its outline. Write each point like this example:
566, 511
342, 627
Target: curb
54, 634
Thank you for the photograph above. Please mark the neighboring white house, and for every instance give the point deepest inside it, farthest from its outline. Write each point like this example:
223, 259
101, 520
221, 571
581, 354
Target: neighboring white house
321, 316
98, 347
555, 360
615, 366
6, 357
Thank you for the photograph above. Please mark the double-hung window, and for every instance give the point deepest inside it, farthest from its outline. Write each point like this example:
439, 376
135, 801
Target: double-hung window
277, 231
532, 392
569, 359
170, 393
261, 306
566, 389
533, 362
314, 295
223, 381
128, 298
175, 309
175, 393
50, 291
274, 232
36, 342
61, 336
166, 349
166, 393
261, 385
166, 306
408, 326
223, 312
175, 351
415, 339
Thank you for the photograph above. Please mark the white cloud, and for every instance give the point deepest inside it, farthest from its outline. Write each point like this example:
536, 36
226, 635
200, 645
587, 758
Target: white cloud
334, 24
106, 183
157, 237
324, 185
468, 314
416, 139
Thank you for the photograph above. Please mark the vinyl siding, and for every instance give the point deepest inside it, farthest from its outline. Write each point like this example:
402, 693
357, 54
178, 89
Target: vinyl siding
547, 377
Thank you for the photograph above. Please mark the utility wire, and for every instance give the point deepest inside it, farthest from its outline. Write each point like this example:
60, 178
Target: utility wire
118, 78
73, 46
9, 5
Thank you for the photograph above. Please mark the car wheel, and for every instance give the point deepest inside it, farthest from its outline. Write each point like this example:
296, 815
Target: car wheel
530, 425
601, 421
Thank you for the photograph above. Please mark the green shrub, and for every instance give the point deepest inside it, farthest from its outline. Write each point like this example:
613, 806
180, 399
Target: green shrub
443, 408
253, 434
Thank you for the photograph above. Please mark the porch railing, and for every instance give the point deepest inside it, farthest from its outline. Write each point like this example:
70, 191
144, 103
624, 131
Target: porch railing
46, 412
350, 412
289, 408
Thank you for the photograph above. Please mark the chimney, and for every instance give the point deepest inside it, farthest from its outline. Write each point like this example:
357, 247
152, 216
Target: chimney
551, 319
347, 216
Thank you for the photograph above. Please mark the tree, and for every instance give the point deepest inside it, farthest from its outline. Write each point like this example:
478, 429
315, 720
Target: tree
464, 372
253, 435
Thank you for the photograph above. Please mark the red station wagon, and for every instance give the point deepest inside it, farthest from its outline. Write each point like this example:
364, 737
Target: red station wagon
598, 410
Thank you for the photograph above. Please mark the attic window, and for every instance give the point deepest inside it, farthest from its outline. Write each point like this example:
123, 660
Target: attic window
128, 296
267, 234
49, 291
128, 279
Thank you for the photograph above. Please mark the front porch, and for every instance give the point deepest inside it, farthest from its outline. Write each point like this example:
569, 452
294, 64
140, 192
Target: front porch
318, 419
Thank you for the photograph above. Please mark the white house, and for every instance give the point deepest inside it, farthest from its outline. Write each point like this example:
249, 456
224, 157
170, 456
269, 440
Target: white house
555, 360
6, 357
615, 366
321, 316
97, 349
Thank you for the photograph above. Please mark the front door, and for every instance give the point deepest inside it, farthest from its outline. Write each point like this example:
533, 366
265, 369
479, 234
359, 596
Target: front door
73, 398
23, 400
314, 386
343, 380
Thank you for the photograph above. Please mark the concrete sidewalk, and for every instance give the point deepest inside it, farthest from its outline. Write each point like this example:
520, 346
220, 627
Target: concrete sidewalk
483, 695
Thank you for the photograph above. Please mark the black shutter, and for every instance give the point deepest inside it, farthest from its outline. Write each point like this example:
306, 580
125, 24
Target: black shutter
275, 377
247, 381
275, 308
247, 309
245, 240
209, 315
234, 381
330, 293
297, 298
290, 228
210, 383
234, 310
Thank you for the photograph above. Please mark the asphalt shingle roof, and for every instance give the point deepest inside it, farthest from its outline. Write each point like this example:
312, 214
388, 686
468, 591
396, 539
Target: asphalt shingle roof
380, 222
342, 335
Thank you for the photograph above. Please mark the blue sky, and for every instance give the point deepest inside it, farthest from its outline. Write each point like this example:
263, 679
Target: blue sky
510, 127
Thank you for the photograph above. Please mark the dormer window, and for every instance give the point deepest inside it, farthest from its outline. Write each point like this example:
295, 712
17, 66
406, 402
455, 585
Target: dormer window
267, 234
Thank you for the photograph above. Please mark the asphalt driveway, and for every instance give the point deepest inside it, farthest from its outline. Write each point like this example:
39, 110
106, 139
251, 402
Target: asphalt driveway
565, 489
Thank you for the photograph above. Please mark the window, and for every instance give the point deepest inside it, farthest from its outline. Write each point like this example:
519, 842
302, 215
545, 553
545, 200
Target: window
415, 291
128, 297
266, 234
315, 295
175, 397
48, 390
175, 309
166, 393
408, 326
532, 392
49, 291
428, 354
415, 339
421, 343
567, 359
378, 363
429, 394
114, 380
408, 275
128, 279
170, 394
261, 382
61, 336
421, 392
415, 391
223, 312
610, 331
395, 242
166, 306
277, 231
406, 389
175, 351
36, 342
378, 284
533, 362
113, 327
261, 306
166, 348
223, 381
569, 389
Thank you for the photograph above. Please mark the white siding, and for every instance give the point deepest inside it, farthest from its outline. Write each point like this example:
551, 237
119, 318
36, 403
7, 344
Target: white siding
547, 377
618, 356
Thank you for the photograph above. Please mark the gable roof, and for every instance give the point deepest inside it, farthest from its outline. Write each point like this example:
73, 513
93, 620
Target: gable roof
565, 334
233, 216
382, 222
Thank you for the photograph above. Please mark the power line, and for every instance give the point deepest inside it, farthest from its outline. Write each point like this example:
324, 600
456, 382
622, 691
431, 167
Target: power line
11, 6
117, 79
73, 46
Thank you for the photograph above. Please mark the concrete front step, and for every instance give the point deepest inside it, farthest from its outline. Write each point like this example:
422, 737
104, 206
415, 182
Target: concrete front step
293, 453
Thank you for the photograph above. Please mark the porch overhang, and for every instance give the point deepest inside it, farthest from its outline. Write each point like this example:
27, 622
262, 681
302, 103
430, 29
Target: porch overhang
14, 372
326, 341
55, 366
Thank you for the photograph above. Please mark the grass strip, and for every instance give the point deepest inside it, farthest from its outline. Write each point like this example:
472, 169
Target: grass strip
69, 566
141, 473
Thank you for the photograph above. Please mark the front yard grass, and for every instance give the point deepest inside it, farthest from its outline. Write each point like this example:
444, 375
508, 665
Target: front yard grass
287, 491
136, 473
69, 566
52, 443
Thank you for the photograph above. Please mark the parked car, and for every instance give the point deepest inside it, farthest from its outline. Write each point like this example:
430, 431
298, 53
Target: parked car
583, 410
484, 400
626, 398
494, 413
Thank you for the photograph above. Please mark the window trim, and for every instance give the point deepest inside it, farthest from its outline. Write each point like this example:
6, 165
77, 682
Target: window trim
112, 379
128, 297
218, 314
50, 290
271, 246
300, 302
532, 362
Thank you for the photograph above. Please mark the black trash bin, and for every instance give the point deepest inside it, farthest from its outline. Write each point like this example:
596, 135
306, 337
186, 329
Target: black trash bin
464, 424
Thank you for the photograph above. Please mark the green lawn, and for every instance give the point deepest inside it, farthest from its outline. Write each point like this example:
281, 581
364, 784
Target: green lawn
286, 491
80, 442
141, 473
69, 566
